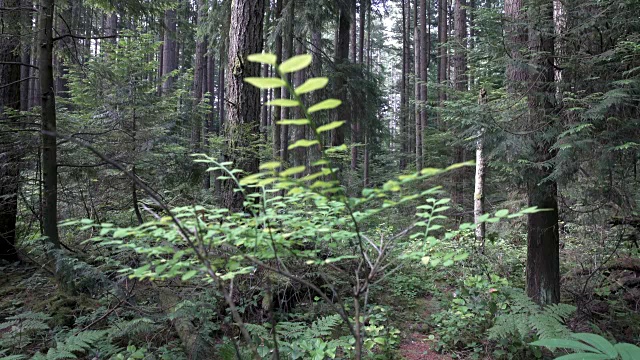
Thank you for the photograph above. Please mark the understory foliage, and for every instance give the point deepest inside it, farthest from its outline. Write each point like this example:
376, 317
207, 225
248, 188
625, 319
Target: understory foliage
298, 232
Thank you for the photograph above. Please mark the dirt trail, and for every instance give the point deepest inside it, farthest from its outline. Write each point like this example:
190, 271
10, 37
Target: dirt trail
417, 346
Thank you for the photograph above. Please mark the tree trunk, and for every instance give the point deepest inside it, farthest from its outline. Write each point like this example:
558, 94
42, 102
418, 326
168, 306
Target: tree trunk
300, 153
425, 49
515, 42
277, 93
243, 107
443, 64
169, 49
48, 115
404, 103
198, 80
460, 84
10, 98
341, 57
353, 33
478, 197
543, 259
364, 5
25, 57
287, 52
417, 59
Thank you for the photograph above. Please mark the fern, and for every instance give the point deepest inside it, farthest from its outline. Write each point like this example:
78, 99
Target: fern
78, 343
524, 317
132, 328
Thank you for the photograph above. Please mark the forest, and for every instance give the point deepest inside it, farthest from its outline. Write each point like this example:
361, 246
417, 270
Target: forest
319, 179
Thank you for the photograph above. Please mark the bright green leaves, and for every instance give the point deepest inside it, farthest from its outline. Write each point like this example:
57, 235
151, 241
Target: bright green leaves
328, 104
294, 122
591, 346
265, 83
264, 58
271, 165
330, 126
295, 63
312, 85
292, 171
303, 143
283, 103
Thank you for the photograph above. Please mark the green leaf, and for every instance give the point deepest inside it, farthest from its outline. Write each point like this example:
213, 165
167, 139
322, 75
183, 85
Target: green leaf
293, 171
283, 103
628, 351
564, 344
295, 63
189, 274
597, 341
330, 126
303, 143
502, 213
325, 105
263, 58
312, 85
271, 165
265, 83
294, 122
584, 356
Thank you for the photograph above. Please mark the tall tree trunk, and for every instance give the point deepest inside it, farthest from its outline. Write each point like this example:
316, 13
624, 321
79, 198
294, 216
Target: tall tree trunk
425, 50
316, 71
417, 44
287, 52
367, 138
364, 5
341, 57
300, 153
478, 197
25, 56
10, 98
48, 118
516, 40
543, 259
443, 64
404, 102
198, 79
460, 84
353, 32
169, 49
209, 81
243, 107
277, 93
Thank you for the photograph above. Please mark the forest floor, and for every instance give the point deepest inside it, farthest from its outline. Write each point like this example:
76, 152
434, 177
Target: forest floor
417, 345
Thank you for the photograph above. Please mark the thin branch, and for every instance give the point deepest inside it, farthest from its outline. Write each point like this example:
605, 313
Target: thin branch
78, 37
18, 63
17, 82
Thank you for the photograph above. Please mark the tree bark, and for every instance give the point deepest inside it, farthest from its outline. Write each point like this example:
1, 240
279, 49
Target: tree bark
169, 49
300, 153
341, 57
424, 66
404, 102
478, 197
543, 258
443, 64
417, 59
198, 79
287, 52
515, 42
48, 115
243, 107
10, 98
277, 93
